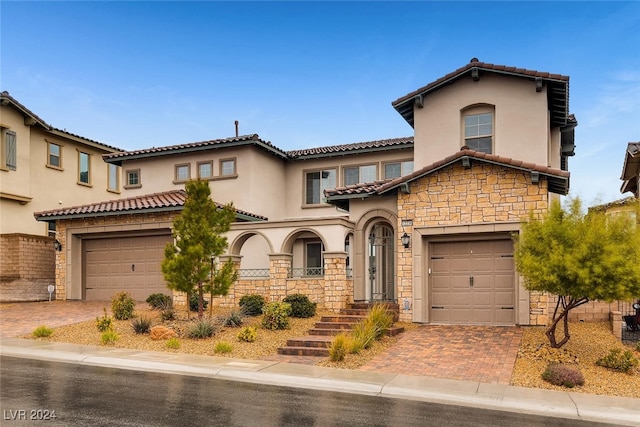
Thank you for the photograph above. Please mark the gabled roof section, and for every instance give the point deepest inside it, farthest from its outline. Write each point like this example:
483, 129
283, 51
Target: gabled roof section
557, 88
31, 119
360, 147
631, 168
236, 141
158, 202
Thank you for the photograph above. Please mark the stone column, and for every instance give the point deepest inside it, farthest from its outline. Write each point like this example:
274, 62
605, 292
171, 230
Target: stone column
616, 323
279, 268
338, 291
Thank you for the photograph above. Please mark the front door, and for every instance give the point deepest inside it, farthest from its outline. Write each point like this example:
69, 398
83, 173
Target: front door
381, 269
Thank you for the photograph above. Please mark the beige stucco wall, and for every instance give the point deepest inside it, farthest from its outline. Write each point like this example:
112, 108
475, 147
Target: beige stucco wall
521, 123
49, 188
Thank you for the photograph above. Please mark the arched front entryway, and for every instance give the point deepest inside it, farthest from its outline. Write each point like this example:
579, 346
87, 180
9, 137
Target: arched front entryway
380, 268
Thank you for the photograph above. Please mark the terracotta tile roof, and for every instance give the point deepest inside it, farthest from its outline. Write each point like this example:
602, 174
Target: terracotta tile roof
334, 150
252, 139
558, 179
158, 202
6, 99
559, 88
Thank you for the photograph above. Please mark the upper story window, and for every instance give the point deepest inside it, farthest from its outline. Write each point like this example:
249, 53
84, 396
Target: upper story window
183, 172
360, 174
227, 167
478, 130
205, 170
133, 179
113, 177
315, 184
9, 150
54, 155
84, 168
397, 169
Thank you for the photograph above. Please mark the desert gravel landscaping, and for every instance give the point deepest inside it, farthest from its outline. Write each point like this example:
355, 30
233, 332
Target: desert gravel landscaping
589, 342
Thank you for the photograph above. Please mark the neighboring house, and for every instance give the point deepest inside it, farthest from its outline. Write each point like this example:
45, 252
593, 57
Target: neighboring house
631, 170
41, 168
425, 221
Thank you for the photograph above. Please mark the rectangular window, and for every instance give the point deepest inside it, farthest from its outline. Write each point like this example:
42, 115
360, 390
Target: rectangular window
478, 132
205, 170
315, 184
84, 168
51, 229
360, 174
9, 149
54, 158
183, 173
227, 167
113, 183
313, 259
398, 169
133, 178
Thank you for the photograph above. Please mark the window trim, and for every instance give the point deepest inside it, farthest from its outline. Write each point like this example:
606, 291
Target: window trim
358, 165
175, 173
393, 162
476, 110
117, 176
80, 182
221, 167
206, 162
52, 166
127, 174
321, 203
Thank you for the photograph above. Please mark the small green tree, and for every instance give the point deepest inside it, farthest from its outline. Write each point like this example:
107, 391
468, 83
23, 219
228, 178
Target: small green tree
578, 257
198, 236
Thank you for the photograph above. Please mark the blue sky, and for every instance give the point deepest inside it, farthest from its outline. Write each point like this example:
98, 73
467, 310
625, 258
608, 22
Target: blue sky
304, 74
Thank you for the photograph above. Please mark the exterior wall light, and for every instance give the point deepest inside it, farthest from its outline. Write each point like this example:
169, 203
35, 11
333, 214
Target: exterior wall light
57, 245
406, 240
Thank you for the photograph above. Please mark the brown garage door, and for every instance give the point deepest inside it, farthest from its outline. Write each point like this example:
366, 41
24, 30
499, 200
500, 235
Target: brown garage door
131, 264
472, 282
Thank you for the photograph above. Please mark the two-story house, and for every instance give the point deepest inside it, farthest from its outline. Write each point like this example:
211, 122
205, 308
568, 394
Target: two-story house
41, 167
425, 220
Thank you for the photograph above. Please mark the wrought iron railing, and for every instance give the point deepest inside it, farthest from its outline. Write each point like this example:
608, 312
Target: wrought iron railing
631, 320
253, 273
306, 272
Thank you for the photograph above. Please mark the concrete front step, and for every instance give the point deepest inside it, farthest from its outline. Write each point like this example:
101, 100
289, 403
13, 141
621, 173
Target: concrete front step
335, 325
304, 351
317, 341
343, 318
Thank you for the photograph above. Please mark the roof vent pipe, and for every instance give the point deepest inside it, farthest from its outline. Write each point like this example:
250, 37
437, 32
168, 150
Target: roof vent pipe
236, 123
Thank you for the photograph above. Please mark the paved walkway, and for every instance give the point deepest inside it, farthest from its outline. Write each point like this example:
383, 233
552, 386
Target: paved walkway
470, 353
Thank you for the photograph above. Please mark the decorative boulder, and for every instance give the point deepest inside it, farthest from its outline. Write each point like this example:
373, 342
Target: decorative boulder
162, 333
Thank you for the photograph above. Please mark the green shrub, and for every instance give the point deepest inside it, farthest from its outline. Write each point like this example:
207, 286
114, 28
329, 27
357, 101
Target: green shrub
339, 347
122, 305
638, 346
301, 306
158, 301
619, 360
233, 319
276, 315
141, 325
202, 329
252, 305
193, 302
381, 317
363, 333
223, 347
109, 337
248, 334
563, 375
167, 313
105, 322
173, 343
42, 331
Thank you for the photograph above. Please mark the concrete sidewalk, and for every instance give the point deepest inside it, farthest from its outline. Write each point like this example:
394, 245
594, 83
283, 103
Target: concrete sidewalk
605, 409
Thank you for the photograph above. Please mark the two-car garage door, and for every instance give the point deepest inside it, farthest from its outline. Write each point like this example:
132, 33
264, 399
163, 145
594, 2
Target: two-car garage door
131, 264
472, 282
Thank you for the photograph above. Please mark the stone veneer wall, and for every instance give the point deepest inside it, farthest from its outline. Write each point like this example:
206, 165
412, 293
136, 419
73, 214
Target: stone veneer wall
105, 224
482, 194
27, 267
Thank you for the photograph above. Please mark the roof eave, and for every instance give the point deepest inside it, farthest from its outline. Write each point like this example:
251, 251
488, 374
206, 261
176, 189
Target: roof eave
355, 150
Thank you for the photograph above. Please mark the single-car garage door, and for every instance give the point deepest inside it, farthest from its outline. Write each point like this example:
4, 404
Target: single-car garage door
131, 264
472, 282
